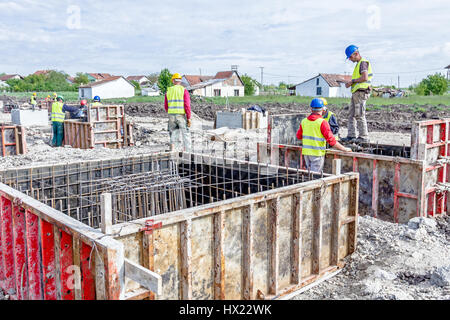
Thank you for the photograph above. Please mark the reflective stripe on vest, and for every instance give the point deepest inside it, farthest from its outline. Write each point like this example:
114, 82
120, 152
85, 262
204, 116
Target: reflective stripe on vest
313, 141
175, 100
357, 75
57, 113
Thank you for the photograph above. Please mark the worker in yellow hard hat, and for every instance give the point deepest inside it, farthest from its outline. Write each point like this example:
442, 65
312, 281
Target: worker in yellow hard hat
331, 118
55, 96
177, 103
33, 101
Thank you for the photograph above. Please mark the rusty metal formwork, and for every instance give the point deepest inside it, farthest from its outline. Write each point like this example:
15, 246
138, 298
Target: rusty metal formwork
248, 231
397, 183
13, 140
106, 126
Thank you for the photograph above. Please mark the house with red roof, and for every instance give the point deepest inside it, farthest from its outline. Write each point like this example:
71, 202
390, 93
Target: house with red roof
325, 85
223, 84
110, 88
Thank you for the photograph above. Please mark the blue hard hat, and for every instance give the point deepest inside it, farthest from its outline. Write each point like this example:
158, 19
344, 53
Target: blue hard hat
317, 103
97, 98
350, 49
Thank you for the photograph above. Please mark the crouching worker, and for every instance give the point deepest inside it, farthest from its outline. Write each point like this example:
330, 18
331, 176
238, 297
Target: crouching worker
58, 115
315, 133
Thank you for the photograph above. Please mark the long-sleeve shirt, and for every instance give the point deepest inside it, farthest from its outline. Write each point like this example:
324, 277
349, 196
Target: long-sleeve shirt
69, 109
187, 104
333, 123
324, 129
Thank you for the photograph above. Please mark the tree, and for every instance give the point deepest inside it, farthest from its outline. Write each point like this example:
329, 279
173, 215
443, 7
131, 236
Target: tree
81, 79
153, 77
435, 84
282, 85
249, 85
164, 80
136, 84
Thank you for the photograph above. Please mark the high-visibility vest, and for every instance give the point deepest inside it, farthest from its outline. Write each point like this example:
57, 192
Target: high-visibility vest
328, 117
313, 141
96, 104
57, 114
175, 100
357, 75
33, 100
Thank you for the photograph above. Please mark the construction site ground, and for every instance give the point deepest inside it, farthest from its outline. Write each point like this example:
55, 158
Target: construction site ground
392, 261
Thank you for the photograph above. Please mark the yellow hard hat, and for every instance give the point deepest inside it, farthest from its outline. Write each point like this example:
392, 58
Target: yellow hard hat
324, 101
176, 76
34, 93
54, 93
48, 96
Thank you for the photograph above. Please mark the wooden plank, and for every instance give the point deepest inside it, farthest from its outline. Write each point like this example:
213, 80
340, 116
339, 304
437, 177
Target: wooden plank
106, 212
48, 260
335, 223
396, 190
66, 263
8, 246
352, 227
148, 256
146, 278
114, 272
247, 233
273, 207
375, 188
219, 259
58, 271
186, 257
100, 286
317, 231
336, 166
33, 257
20, 259
75, 269
297, 212
87, 272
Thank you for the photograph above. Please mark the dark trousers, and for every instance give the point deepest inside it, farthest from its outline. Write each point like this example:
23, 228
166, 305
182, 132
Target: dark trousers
58, 133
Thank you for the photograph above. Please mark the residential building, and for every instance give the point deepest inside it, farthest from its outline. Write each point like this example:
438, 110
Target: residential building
223, 84
44, 72
98, 76
150, 91
142, 80
113, 87
325, 85
7, 77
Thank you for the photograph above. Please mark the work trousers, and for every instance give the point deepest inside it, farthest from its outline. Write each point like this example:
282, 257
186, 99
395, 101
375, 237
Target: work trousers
314, 163
357, 115
58, 133
178, 129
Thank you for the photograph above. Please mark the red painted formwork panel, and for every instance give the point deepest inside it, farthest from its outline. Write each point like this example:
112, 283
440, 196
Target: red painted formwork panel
9, 282
66, 262
20, 253
33, 255
48, 260
2, 272
87, 272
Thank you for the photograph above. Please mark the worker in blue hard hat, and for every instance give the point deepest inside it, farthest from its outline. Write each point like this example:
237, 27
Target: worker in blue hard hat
315, 133
97, 101
361, 85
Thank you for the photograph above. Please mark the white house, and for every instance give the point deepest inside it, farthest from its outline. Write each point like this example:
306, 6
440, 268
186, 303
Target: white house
7, 77
142, 80
223, 84
114, 87
150, 91
325, 85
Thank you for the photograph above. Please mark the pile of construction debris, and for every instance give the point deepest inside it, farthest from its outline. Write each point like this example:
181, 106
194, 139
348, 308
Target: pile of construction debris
387, 92
393, 262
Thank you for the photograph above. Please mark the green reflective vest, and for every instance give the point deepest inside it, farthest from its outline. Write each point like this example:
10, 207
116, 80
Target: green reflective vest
175, 100
329, 115
57, 113
356, 75
33, 100
96, 104
313, 141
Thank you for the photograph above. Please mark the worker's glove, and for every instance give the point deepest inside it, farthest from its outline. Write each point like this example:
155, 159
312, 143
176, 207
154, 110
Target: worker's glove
189, 123
348, 150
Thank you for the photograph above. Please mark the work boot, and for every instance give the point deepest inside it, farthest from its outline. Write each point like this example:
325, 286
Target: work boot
362, 140
348, 139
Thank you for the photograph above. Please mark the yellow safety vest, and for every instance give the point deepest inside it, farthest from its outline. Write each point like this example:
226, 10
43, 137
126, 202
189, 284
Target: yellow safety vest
313, 141
175, 100
357, 74
57, 113
328, 117
96, 104
33, 100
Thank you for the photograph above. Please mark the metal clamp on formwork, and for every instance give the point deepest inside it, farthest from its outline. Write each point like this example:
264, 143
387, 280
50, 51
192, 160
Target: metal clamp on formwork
150, 226
442, 187
443, 160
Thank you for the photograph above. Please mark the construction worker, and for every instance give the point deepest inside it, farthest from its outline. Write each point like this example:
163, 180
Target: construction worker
80, 113
177, 103
361, 85
57, 117
33, 101
315, 133
97, 101
55, 96
331, 118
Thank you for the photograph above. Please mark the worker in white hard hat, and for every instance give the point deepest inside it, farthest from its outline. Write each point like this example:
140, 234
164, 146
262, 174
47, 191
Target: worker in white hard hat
177, 103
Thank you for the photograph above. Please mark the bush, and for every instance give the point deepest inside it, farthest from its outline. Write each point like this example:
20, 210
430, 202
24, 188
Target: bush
249, 85
164, 80
435, 84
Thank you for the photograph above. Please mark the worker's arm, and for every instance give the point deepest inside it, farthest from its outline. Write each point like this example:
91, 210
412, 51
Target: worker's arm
69, 109
166, 104
187, 104
300, 133
329, 137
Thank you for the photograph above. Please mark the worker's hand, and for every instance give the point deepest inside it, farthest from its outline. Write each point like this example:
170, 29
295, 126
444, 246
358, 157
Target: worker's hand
348, 84
189, 123
348, 150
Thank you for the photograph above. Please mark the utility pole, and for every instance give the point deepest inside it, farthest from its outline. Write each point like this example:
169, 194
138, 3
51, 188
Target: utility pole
262, 78
398, 82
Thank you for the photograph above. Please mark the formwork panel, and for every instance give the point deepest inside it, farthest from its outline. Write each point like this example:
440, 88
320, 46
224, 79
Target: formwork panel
202, 255
133, 252
233, 254
166, 242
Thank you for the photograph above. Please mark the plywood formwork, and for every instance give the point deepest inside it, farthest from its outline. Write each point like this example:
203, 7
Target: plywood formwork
106, 127
13, 140
257, 231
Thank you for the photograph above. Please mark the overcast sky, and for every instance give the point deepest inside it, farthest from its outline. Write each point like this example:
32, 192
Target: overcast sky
292, 40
